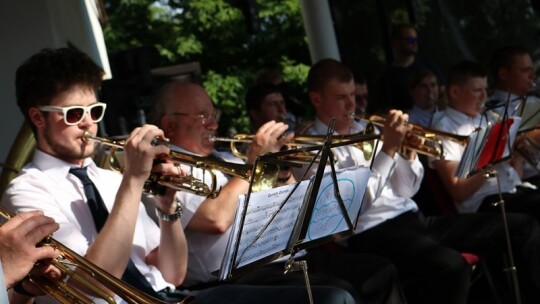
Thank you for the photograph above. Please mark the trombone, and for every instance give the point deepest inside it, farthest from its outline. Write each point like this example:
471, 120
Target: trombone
431, 139
265, 175
83, 274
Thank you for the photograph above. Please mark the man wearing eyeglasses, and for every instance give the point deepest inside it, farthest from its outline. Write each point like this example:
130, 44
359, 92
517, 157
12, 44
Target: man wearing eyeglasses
185, 113
393, 85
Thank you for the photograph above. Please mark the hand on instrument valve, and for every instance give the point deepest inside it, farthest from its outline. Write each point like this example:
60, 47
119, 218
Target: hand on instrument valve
140, 152
395, 130
18, 251
269, 138
166, 203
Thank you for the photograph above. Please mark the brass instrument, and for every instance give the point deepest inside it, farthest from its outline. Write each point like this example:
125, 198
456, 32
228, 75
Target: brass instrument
297, 142
83, 274
431, 139
530, 147
264, 175
20, 153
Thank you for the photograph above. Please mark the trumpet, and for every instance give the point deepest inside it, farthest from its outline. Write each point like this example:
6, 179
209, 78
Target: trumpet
264, 175
299, 142
431, 139
86, 276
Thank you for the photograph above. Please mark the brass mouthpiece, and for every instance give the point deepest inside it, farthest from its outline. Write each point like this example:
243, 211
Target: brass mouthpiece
87, 136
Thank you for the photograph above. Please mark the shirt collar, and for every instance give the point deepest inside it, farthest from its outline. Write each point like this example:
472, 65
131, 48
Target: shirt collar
56, 168
503, 96
462, 119
321, 128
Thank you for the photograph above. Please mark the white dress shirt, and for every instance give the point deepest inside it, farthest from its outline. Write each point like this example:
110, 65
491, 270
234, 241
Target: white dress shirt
45, 184
455, 122
206, 250
391, 184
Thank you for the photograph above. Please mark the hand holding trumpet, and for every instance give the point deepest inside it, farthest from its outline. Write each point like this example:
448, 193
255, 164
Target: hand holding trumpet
395, 130
269, 138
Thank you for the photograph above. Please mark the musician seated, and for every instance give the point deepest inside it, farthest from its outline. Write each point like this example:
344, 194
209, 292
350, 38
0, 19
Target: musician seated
99, 211
424, 91
516, 93
18, 255
186, 115
467, 85
425, 250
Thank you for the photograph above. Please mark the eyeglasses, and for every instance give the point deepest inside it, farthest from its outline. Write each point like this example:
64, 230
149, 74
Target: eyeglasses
73, 115
204, 117
411, 40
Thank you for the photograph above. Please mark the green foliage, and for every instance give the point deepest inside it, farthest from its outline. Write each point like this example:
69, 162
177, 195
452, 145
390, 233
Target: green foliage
214, 33
226, 92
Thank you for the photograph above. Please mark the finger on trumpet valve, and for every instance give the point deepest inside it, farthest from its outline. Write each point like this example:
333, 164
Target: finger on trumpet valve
160, 141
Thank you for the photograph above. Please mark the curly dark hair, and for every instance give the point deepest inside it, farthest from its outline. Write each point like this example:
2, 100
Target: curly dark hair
53, 71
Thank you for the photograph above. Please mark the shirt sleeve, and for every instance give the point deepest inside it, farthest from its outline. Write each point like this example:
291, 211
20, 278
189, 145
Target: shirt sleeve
407, 176
33, 193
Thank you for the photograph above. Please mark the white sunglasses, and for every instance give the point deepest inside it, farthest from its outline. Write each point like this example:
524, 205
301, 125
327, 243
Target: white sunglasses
73, 115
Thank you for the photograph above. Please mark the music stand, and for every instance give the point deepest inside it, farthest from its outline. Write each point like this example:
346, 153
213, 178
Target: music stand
486, 148
302, 234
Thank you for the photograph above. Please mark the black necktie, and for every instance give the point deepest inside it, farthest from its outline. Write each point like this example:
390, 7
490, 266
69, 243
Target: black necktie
99, 212
94, 200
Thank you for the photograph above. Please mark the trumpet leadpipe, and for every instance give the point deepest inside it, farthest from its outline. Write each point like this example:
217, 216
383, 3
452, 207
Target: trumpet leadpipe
88, 136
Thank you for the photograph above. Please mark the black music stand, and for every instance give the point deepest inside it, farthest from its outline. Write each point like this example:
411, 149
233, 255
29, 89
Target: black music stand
486, 148
300, 235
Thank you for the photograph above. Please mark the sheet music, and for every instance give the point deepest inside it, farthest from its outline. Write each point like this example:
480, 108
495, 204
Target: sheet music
488, 146
268, 209
530, 114
327, 218
262, 206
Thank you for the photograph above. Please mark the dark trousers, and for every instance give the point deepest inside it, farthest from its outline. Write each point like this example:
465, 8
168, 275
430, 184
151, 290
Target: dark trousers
524, 200
370, 279
241, 294
426, 251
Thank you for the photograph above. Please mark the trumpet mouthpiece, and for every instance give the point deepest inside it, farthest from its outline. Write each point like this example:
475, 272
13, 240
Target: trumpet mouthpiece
87, 136
351, 115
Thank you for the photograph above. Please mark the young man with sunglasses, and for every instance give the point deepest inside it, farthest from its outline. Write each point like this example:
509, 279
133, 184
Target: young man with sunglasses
56, 92
393, 85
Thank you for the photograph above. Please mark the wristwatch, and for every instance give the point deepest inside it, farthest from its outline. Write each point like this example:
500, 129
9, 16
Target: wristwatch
173, 216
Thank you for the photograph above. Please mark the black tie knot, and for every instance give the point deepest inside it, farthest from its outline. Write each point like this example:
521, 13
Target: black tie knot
82, 174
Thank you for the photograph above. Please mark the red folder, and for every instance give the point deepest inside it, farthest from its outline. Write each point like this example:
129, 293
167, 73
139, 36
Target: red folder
495, 144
